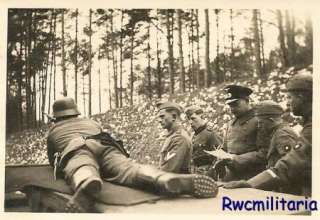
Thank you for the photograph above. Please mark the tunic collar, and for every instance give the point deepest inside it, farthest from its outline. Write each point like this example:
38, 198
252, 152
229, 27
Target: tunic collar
244, 118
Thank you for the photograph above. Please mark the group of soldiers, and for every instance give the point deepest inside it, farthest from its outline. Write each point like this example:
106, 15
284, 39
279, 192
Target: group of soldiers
258, 150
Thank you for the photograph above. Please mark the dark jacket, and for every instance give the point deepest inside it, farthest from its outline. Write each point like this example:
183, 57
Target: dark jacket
242, 141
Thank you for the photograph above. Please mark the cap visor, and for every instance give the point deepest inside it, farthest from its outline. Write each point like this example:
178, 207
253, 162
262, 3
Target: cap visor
231, 100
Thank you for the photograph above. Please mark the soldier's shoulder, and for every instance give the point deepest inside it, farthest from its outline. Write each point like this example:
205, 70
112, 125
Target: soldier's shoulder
286, 130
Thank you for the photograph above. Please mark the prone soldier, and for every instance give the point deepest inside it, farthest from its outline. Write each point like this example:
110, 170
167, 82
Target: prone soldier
203, 138
83, 154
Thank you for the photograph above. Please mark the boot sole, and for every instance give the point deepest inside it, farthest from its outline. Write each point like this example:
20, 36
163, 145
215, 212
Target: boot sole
199, 186
80, 203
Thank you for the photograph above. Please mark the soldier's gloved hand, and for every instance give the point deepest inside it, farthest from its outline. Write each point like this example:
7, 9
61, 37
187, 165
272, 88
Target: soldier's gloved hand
237, 184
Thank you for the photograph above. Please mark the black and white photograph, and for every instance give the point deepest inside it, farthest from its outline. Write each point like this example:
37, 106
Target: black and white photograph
161, 110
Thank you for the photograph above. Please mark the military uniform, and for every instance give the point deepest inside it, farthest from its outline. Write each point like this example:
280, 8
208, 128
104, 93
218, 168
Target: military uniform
295, 168
241, 140
69, 137
175, 155
204, 138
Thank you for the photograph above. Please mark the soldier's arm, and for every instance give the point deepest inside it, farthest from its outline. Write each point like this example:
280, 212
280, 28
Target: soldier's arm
176, 156
50, 151
287, 169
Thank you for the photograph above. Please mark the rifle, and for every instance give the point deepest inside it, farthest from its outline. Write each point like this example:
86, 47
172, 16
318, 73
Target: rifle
49, 117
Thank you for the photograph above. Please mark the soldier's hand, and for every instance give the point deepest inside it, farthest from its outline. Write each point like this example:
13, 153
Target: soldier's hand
237, 184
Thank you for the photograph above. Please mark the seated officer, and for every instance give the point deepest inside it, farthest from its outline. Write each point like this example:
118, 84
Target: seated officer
203, 138
83, 154
175, 155
274, 131
242, 156
295, 167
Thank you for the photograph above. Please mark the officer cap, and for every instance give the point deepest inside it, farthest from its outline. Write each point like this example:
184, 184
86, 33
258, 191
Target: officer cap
300, 82
236, 92
65, 107
193, 109
268, 107
170, 106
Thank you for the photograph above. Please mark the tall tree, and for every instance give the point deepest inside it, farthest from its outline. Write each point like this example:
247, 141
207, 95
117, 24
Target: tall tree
207, 46
256, 37
217, 63
281, 38
158, 58
76, 57
90, 62
121, 58
169, 21
181, 57
261, 43
231, 45
198, 48
63, 66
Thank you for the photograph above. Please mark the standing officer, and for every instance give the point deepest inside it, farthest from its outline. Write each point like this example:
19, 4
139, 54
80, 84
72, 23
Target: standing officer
83, 154
175, 155
203, 138
295, 166
243, 156
281, 139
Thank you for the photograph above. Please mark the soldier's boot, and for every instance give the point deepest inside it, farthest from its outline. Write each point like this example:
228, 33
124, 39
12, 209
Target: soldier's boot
199, 186
86, 182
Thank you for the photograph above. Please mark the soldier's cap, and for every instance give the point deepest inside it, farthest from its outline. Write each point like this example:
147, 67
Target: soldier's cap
65, 107
170, 106
193, 109
268, 108
300, 82
236, 92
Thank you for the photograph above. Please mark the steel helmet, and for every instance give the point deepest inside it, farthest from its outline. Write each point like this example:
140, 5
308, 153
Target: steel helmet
65, 107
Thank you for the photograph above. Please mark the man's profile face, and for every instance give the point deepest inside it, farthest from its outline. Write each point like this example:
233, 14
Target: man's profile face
166, 119
195, 121
239, 107
295, 103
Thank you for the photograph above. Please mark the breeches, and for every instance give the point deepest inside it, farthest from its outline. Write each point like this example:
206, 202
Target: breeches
110, 164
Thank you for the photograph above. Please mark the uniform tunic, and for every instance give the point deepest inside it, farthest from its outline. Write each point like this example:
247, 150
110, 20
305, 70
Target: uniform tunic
249, 155
67, 137
295, 167
175, 155
204, 138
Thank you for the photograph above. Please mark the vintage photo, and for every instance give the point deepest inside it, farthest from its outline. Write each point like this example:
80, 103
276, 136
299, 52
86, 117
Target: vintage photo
153, 110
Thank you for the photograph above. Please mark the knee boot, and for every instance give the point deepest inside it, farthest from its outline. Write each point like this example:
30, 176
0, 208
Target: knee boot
161, 182
85, 182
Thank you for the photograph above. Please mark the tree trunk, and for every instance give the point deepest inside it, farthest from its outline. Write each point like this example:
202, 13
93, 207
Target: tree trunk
53, 55
231, 45
198, 49
283, 49
262, 45
217, 63
256, 42
170, 50
121, 60
207, 46
90, 63
131, 68
99, 74
28, 68
149, 65
63, 65
192, 53
20, 81
181, 58
114, 64
76, 60
158, 61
